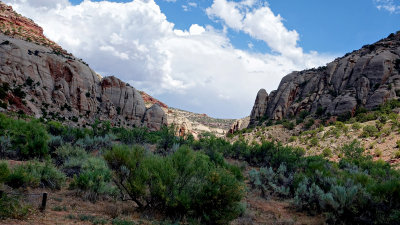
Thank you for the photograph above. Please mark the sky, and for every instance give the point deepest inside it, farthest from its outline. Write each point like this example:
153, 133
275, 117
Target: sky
210, 56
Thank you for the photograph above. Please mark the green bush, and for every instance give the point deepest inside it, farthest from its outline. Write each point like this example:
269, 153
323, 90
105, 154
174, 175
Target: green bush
288, 125
11, 207
184, 183
327, 152
35, 174
133, 136
370, 131
70, 158
4, 171
96, 142
94, 180
28, 138
353, 150
356, 126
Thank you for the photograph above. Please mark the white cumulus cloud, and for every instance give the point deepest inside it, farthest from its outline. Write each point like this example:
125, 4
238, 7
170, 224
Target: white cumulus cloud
196, 69
392, 6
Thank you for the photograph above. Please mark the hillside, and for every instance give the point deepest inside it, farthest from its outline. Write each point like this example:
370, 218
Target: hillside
38, 78
364, 78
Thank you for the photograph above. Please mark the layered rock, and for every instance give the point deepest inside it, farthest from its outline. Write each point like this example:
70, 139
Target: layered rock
364, 78
150, 100
42, 80
239, 125
17, 26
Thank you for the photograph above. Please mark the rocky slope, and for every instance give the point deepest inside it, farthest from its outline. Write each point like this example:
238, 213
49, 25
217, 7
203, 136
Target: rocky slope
38, 78
196, 123
364, 78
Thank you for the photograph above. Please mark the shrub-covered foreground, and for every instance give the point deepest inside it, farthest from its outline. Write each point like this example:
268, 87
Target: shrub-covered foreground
356, 190
184, 183
189, 179
158, 171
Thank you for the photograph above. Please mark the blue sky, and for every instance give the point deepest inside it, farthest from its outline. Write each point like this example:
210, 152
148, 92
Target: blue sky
335, 27
210, 56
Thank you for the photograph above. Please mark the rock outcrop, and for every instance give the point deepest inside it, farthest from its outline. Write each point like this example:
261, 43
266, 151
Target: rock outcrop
364, 78
240, 124
155, 118
17, 26
150, 100
42, 82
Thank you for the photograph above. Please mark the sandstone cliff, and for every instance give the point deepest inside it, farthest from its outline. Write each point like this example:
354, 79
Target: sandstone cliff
364, 78
42, 80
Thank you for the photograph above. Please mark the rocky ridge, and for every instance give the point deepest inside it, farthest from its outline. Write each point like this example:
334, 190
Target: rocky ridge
364, 78
17, 26
41, 80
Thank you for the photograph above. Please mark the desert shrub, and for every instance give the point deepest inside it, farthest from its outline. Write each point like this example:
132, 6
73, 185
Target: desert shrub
327, 152
370, 131
133, 136
314, 141
96, 142
5, 147
309, 123
4, 88
94, 180
356, 126
55, 142
397, 154
167, 139
35, 174
288, 124
183, 183
70, 158
271, 182
72, 134
28, 138
353, 150
11, 207
101, 128
55, 128
4, 171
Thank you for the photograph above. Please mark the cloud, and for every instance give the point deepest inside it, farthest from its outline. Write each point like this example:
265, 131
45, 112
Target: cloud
389, 5
259, 22
196, 69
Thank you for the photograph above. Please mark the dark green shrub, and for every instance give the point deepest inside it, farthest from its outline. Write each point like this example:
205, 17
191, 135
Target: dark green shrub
35, 174
71, 159
95, 143
4, 171
370, 131
55, 128
288, 125
309, 123
28, 138
18, 92
11, 207
184, 183
167, 139
3, 90
353, 150
133, 136
94, 180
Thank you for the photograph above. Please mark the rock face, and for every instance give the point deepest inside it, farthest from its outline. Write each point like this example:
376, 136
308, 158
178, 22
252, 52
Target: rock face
17, 26
364, 78
260, 105
43, 82
149, 100
155, 118
240, 124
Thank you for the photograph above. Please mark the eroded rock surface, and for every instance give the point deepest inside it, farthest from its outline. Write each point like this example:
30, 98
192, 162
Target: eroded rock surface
364, 78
